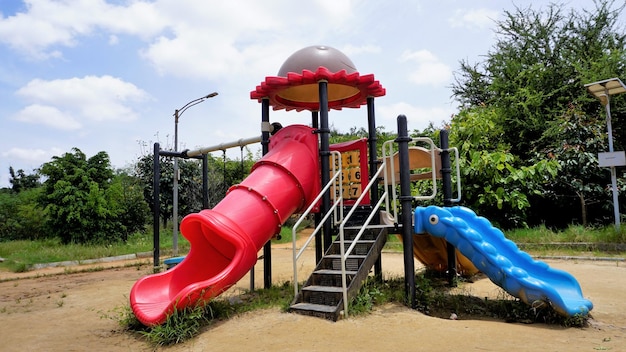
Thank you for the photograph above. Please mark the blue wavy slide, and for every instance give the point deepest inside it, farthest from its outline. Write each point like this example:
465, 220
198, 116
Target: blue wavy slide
501, 260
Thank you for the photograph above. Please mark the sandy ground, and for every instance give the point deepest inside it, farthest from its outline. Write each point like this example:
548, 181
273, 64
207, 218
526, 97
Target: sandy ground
51, 310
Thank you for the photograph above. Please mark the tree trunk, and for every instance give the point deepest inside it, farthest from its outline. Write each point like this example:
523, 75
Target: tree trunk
583, 208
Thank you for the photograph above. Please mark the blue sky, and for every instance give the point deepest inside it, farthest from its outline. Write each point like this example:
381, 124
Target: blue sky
107, 75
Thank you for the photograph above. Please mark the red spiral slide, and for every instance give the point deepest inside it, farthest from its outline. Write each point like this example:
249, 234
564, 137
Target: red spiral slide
225, 240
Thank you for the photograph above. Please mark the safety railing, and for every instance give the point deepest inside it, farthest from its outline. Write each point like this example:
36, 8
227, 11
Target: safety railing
390, 178
346, 252
337, 212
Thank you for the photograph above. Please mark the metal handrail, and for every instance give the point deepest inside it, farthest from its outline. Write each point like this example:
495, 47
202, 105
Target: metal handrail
388, 155
343, 252
338, 204
337, 175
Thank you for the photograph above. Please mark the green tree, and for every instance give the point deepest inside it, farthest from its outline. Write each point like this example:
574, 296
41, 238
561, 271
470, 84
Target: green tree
127, 196
495, 182
222, 172
144, 170
77, 200
575, 142
21, 218
536, 72
21, 181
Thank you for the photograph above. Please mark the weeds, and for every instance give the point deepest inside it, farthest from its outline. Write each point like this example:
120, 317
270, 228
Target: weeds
369, 295
434, 298
184, 324
180, 326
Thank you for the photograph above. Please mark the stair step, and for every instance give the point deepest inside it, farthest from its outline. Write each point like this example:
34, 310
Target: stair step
361, 247
369, 227
338, 256
333, 272
333, 261
349, 242
329, 289
314, 307
322, 295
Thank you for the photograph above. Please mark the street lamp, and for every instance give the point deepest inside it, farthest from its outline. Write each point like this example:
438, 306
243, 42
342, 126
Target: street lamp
603, 91
177, 114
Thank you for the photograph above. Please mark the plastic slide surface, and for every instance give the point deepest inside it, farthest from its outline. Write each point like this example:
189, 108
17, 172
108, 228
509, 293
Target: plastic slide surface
433, 253
225, 240
501, 260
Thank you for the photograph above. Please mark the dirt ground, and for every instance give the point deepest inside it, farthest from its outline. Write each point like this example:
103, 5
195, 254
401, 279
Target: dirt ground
51, 310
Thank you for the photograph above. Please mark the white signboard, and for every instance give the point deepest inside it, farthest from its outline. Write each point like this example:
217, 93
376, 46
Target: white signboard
612, 159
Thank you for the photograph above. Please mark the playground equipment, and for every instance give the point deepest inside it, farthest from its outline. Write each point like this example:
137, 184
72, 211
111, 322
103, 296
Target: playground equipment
302, 173
225, 240
532, 281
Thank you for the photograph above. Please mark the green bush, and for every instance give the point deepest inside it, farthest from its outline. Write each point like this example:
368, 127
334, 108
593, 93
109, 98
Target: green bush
20, 216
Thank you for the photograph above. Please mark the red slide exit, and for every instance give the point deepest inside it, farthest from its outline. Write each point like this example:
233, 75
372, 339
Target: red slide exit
225, 240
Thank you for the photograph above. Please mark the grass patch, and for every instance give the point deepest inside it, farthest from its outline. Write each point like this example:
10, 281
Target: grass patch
434, 298
20, 256
185, 324
574, 233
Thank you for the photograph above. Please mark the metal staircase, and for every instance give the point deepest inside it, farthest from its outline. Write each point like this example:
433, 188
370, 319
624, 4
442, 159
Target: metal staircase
322, 294
340, 273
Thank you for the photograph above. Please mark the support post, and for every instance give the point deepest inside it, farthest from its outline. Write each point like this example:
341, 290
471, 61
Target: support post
446, 185
156, 174
265, 143
324, 131
319, 253
614, 189
372, 140
407, 211
175, 190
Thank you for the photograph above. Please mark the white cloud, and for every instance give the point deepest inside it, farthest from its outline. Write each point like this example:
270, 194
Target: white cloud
58, 23
184, 38
204, 42
48, 116
429, 70
474, 18
92, 98
36, 156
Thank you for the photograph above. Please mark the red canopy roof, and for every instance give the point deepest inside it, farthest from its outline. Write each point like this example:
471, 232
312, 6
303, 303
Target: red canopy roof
299, 91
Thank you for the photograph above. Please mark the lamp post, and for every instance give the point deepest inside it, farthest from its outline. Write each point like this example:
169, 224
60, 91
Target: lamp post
177, 114
603, 91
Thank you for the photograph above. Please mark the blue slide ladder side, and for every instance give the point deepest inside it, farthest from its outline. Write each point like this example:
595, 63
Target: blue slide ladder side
501, 260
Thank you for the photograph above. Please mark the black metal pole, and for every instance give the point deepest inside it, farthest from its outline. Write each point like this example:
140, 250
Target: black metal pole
373, 166
324, 131
319, 253
205, 181
407, 211
265, 143
446, 185
156, 171
372, 140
